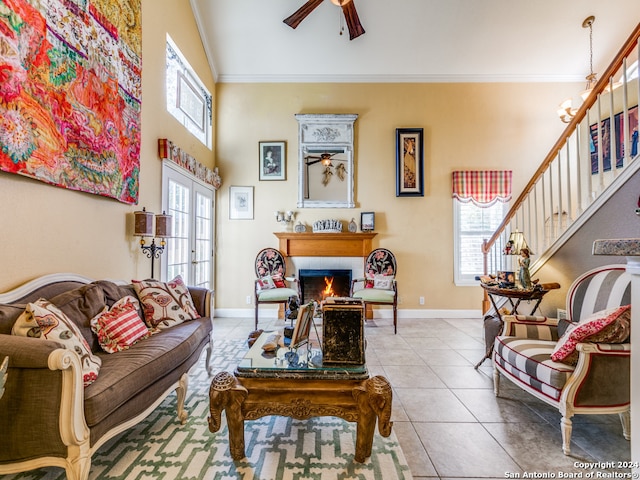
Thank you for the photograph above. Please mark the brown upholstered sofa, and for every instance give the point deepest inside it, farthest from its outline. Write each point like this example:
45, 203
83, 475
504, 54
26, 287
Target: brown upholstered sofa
47, 416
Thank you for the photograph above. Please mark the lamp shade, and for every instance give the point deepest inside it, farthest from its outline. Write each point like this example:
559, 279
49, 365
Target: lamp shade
164, 224
518, 242
143, 223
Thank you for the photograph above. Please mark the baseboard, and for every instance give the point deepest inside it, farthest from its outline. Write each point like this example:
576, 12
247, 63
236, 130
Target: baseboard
272, 313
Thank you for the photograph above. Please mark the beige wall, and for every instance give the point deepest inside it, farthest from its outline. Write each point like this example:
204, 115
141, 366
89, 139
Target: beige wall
466, 126
47, 229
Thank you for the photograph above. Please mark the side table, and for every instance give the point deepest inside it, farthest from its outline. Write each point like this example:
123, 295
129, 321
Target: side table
514, 296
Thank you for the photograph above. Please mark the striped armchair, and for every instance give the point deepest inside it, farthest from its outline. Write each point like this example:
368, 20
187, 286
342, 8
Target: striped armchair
600, 381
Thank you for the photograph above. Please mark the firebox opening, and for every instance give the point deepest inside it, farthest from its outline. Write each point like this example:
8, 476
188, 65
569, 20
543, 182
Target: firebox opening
315, 284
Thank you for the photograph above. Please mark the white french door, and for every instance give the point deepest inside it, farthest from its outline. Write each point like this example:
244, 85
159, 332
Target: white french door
190, 252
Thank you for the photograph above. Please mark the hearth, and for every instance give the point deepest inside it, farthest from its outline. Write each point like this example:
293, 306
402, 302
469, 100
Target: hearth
317, 284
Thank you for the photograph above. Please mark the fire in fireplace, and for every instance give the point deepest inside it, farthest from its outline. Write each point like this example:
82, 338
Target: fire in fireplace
318, 284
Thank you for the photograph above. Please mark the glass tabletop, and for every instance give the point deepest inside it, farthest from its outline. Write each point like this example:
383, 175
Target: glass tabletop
303, 362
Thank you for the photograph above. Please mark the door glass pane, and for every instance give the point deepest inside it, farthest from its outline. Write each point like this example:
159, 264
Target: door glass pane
203, 239
178, 257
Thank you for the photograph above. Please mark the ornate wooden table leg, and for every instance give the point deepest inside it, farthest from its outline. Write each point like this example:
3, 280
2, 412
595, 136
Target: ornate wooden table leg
227, 394
374, 398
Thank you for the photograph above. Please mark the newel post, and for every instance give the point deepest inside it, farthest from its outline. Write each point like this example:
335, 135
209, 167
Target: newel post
485, 298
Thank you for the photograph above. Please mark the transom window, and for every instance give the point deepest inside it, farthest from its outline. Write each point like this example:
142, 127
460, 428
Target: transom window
188, 100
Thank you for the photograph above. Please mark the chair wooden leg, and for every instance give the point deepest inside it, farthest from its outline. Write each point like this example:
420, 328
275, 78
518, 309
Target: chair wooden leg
256, 326
395, 319
496, 382
625, 418
566, 427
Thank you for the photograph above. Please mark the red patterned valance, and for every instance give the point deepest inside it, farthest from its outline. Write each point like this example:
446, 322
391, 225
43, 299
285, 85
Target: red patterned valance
482, 187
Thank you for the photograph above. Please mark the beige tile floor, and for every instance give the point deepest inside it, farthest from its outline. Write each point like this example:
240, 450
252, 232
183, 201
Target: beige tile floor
446, 417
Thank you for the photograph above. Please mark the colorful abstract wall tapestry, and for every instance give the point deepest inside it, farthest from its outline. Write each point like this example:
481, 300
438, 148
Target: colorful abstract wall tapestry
70, 93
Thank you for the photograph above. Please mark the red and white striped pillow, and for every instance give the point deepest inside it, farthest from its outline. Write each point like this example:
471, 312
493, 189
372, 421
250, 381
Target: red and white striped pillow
120, 327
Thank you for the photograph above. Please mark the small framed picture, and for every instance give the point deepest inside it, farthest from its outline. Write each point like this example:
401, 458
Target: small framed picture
240, 203
303, 325
272, 160
367, 221
409, 162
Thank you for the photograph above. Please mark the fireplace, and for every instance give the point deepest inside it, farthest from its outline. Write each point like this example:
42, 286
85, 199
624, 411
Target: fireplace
314, 283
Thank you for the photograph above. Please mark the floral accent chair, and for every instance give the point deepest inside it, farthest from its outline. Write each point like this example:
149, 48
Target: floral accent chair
379, 287
580, 365
271, 284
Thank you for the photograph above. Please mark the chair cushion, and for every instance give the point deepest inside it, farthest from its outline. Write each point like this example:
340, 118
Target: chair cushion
607, 326
374, 295
276, 295
530, 362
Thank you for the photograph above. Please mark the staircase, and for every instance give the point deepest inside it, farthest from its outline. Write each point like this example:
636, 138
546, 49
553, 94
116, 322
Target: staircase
593, 157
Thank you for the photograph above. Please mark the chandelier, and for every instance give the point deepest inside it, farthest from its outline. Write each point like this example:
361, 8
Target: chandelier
566, 111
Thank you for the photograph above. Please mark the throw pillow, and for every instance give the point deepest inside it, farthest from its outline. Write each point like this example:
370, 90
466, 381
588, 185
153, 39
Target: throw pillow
607, 326
42, 319
278, 281
120, 327
165, 304
266, 283
383, 282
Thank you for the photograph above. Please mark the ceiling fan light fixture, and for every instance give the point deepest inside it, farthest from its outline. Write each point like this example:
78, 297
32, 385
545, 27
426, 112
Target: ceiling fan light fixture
340, 3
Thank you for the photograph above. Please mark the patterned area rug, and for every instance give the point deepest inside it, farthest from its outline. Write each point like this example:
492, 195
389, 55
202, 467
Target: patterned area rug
277, 448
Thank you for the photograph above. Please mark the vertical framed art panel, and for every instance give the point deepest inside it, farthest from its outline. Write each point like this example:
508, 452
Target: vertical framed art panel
272, 160
409, 162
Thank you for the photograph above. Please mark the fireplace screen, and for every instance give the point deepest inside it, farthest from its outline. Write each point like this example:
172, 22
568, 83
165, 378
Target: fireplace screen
316, 285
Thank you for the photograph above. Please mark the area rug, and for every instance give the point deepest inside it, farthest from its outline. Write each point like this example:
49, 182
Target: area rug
277, 448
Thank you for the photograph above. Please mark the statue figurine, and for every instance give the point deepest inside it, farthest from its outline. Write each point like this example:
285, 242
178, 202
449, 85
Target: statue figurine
523, 274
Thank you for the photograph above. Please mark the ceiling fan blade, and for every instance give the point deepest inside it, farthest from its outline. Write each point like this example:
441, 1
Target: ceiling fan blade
299, 15
352, 19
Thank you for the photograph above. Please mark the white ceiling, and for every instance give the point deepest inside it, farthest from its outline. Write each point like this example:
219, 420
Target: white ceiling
413, 40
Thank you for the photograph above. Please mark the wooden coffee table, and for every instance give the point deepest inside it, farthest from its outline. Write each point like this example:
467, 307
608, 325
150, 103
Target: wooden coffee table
263, 385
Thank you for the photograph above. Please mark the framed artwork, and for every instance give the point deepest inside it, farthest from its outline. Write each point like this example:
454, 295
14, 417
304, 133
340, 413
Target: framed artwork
617, 143
409, 162
240, 203
272, 161
303, 325
367, 221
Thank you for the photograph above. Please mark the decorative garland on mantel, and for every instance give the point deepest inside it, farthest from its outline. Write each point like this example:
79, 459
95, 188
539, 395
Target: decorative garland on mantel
167, 150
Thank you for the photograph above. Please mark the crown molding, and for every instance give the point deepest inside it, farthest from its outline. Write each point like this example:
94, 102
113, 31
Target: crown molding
396, 78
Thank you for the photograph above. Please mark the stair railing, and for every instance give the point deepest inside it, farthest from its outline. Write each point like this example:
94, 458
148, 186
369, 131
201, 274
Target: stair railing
577, 174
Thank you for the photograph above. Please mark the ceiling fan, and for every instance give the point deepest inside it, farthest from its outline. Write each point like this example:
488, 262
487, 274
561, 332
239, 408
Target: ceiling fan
325, 159
348, 9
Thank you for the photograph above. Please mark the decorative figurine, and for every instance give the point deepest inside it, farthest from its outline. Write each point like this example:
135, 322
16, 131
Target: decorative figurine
507, 248
523, 274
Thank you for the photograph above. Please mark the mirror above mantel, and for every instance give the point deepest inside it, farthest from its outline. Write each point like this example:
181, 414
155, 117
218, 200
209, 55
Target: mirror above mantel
326, 160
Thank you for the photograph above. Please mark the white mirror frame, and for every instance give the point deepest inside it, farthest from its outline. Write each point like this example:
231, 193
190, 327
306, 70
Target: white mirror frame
325, 131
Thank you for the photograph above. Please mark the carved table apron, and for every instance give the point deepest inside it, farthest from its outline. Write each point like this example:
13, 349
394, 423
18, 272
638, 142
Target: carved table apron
301, 395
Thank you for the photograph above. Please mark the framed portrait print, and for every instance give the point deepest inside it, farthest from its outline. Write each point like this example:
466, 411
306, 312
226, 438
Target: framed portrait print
240, 203
409, 162
367, 221
272, 160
